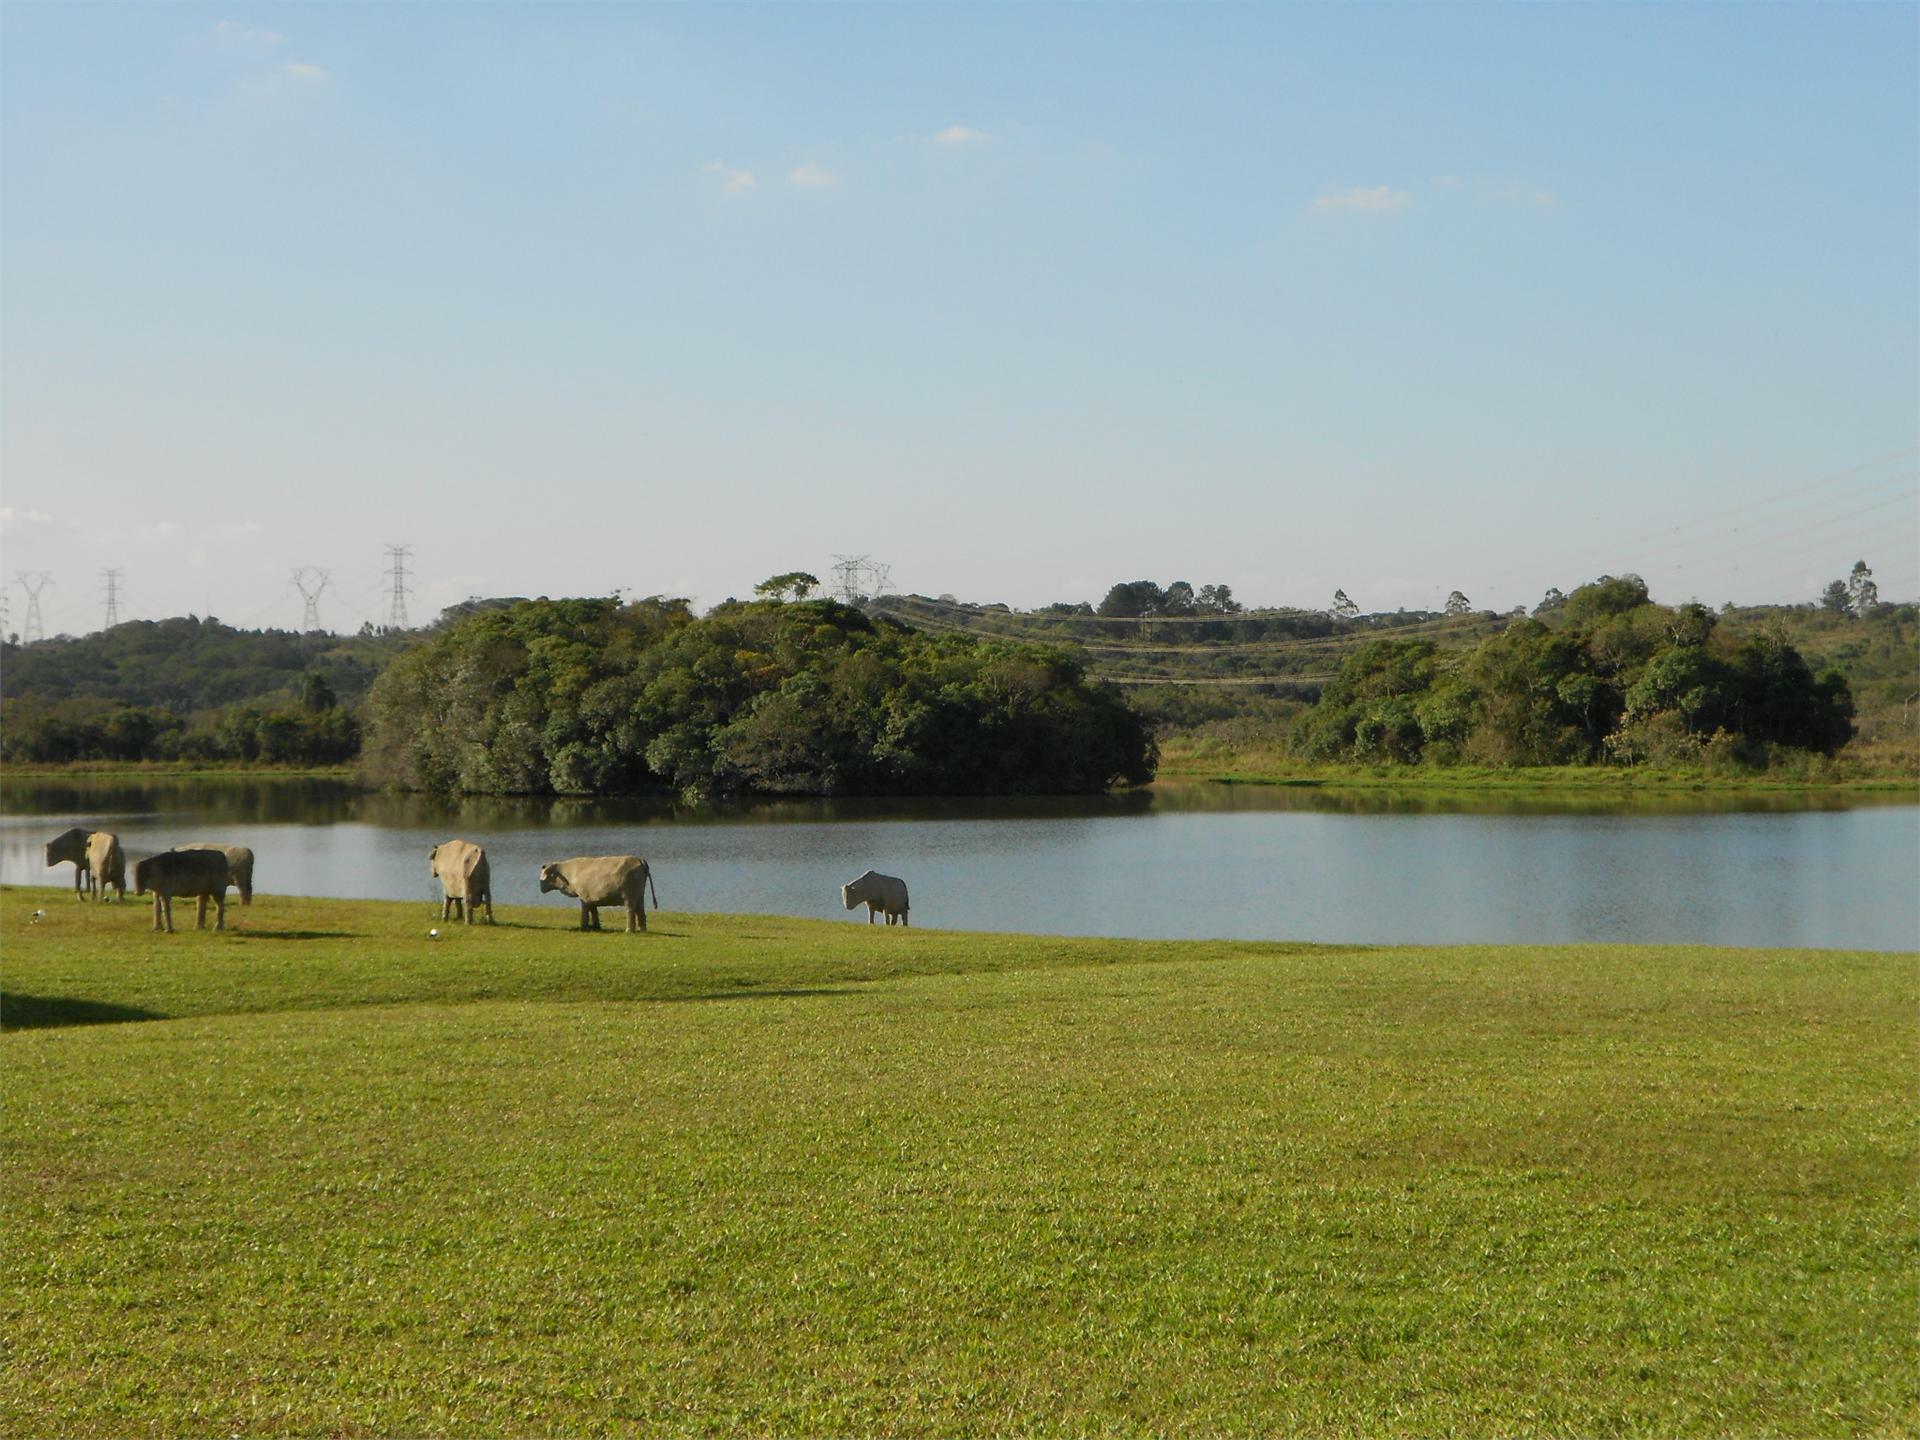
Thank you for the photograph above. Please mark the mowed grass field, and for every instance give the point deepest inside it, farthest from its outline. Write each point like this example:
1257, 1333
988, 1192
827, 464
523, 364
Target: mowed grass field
324, 1175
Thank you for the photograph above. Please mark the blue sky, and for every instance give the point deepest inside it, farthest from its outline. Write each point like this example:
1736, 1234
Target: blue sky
1022, 300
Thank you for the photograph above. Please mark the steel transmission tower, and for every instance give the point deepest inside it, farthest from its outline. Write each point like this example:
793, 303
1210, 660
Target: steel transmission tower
312, 580
112, 578
33, 584
398, 615
860, 577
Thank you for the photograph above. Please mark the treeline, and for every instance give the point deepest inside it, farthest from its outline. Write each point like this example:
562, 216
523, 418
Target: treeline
807, 697
35, 732
1600, 675
192, 663
191, 689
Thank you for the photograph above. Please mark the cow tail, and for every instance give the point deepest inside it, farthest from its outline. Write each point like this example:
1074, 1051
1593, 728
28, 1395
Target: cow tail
650, 886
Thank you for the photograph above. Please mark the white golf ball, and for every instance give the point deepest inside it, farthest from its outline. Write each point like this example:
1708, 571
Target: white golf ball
433, 934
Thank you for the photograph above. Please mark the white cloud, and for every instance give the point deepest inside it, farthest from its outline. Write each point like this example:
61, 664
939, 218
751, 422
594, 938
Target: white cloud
959, 135
299, 70
231, 35
810, 177
733, 182
1364, 199
11, 517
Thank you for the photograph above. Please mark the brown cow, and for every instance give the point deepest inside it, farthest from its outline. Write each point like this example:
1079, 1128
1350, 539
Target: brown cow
239, 865
199, 873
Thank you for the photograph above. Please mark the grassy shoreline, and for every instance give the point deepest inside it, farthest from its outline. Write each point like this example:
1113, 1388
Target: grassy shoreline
1576, 780
326, 1173
1184, 766
1186, 756
176, 770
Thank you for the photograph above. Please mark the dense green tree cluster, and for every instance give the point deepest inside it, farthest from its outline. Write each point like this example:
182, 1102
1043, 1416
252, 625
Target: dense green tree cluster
41, 732
1604, 674
189, 663
188, 688
1144, 598
809, 697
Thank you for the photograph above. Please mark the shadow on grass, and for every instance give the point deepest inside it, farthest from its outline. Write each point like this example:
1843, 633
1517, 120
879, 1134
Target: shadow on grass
48, 1012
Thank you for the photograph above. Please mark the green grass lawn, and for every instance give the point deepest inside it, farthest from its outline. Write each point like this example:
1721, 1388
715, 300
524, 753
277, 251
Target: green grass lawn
323, 1174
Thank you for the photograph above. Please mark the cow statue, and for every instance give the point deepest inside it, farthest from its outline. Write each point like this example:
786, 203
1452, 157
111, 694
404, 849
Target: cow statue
97, 860
202, 874
465, 881
596, 880
884, 894
239, 865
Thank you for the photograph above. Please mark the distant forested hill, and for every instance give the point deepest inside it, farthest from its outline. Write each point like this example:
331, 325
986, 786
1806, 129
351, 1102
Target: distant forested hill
1194, 665
191, 689
187, 664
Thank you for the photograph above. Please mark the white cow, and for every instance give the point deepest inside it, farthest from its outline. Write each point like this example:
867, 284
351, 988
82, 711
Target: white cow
596, 880
466, 882
886, 894
97, 861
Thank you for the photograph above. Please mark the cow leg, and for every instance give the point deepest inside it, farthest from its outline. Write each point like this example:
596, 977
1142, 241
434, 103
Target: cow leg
199, 912
166, 904
220, 911
466, 909
156, 909
446, 907
489, 900
903, 919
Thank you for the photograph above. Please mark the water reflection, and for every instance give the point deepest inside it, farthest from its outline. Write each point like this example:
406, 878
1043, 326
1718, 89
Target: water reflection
269, 800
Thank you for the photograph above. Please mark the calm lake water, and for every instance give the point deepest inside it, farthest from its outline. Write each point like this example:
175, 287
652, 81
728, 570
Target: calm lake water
1176, 861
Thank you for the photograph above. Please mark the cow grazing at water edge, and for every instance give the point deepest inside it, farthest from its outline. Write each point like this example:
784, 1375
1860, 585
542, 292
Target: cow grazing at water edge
97, 861
201, 874
885, 894
465, 881
239, 865
596, 880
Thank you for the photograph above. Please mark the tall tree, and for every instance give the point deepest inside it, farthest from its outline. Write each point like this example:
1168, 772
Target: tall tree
1217, 600
1344, 608
1862, 593
798, 583
1132, 598
1458, 604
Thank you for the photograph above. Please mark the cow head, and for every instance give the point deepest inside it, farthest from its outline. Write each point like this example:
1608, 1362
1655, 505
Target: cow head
64, 846
552, 879
140, 876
